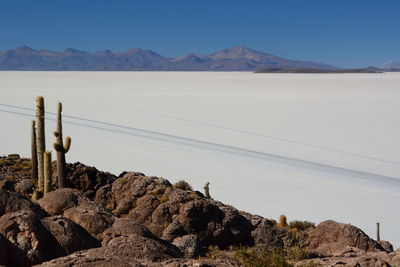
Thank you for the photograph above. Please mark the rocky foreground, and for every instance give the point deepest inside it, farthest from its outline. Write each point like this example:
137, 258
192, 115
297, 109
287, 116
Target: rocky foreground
136, 220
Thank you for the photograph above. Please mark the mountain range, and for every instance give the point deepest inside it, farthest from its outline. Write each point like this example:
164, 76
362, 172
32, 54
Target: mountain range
391, 65
237, 58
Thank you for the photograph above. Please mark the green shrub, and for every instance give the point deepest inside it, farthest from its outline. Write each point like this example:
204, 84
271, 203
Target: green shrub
182, 184
301, 225
297, 253
261, 257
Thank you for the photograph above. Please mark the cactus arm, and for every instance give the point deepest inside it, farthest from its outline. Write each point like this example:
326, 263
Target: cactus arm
61, 148
67, 144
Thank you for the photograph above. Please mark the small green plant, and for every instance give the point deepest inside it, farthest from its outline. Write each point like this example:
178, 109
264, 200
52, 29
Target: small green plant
212, 252
182, 184
297, 253
260, 257
301, 225
164, 198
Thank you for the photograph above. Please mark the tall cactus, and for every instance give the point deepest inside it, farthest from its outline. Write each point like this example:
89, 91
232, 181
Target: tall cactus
34, 161
61, 148
48, 172
40, 140
34, 169
207, 190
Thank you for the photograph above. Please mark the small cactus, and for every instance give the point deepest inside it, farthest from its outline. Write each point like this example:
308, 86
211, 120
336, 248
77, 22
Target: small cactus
282, 222
48, 172
61, 148
40, 140
207, 190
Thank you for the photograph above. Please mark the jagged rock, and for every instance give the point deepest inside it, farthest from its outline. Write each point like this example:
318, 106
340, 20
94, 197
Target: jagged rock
24, 187
265, 233
94, 219
386, 245
331, 238
71, 236
190, 245
12, 201
121, 251
31, 242
86, 178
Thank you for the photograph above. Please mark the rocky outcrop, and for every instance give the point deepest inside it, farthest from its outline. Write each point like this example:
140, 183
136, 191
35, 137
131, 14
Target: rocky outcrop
12, 201
120, 251
31, 241
331, 238
170, 212
136, 220
72, 204
356, 257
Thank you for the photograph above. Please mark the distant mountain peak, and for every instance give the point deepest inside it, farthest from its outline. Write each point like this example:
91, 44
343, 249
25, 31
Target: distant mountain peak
24, 48
74, 51
391, 65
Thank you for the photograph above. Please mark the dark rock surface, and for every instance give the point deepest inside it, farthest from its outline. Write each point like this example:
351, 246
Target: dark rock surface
31, 241
71, 236
190, 245
12, 201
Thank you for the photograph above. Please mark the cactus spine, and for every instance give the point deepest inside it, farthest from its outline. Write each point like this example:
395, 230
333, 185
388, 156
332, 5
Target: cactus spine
61, 148
40, 140
48, 172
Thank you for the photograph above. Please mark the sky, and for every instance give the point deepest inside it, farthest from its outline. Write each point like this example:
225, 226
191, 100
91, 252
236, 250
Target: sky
345, 33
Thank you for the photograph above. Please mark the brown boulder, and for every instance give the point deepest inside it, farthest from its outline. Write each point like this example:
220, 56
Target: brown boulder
331, 238
93, 218
72, 204
31, 242
56, 202
129, 250
125, 227
71, 236
12, 202
355, 257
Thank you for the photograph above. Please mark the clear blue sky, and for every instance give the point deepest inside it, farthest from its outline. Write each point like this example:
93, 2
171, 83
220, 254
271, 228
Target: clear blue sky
348, 33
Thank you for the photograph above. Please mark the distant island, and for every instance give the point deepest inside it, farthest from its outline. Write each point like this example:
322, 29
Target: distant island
315, 70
